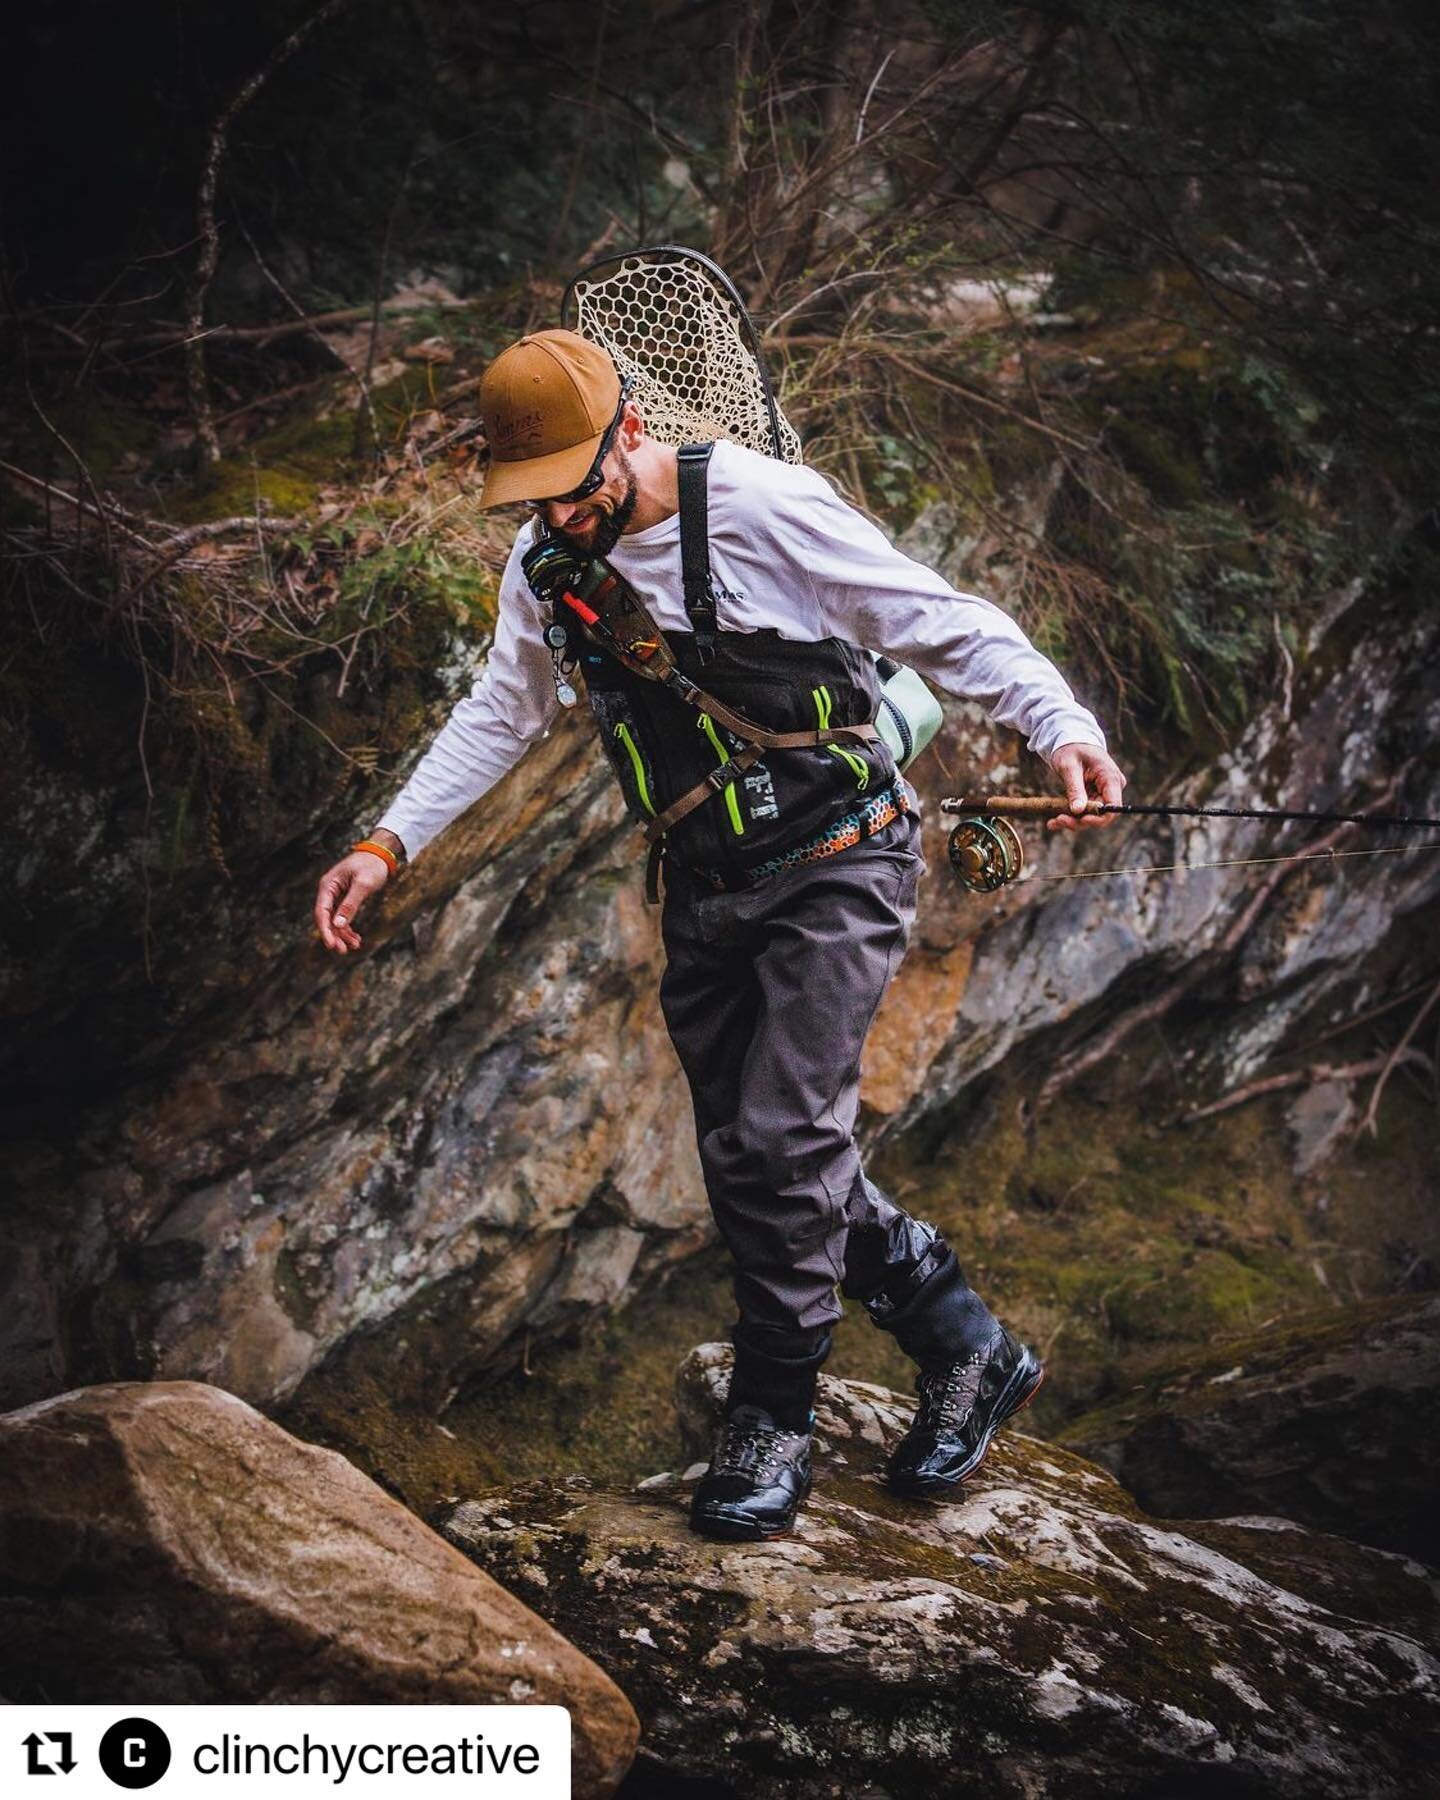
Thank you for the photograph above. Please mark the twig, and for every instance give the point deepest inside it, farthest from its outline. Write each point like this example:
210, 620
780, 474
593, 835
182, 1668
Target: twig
870, 92
1401, 1053
311, 327
209, 258
106, 510
262, 335
466, 429
582, 143
367, 402
1308, 1077
176, 546
274, 398
1364, 1018
985, 400
1287, 662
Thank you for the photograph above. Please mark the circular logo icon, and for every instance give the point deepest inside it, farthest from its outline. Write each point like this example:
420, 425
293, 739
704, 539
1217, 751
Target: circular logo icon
134, 1753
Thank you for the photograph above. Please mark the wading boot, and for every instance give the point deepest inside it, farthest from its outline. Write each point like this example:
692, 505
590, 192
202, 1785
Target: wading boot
962, 1405
757, 1478
760, 1471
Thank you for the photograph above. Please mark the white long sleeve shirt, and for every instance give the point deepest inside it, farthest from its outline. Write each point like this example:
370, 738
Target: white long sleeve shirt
787, 554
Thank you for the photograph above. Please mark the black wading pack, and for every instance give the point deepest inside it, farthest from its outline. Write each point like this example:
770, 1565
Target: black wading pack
731, 747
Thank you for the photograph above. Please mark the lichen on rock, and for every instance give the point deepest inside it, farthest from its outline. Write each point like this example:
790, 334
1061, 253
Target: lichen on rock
1037, 1635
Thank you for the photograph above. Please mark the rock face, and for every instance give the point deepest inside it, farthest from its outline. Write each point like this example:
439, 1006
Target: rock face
1069, 962
509, 1151
1039, 1636
166, 1543
1332, 1420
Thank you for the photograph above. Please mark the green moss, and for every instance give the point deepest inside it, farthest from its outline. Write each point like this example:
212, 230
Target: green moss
1174, 479
281, 471
1200, 1294
1181, 1382
1113, 1249
102, 430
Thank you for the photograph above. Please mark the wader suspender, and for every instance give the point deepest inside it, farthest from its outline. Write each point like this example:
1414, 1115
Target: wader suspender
694, 460
694, 468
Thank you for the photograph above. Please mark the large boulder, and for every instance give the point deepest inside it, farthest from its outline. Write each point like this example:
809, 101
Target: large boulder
1332, 1419
1038, 1636
166, 1543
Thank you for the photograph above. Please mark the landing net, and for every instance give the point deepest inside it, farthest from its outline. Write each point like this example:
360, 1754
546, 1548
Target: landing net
689, 345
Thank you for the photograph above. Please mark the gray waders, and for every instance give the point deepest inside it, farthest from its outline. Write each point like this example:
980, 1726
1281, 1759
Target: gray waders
768, 994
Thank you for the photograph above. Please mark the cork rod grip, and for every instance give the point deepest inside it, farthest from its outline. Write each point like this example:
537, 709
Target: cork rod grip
1018, 806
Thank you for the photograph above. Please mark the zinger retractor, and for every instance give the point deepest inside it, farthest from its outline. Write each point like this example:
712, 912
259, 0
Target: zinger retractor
986, 853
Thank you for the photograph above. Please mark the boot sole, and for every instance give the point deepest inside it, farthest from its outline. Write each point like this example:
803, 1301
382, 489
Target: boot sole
739, 1531
1027, 1382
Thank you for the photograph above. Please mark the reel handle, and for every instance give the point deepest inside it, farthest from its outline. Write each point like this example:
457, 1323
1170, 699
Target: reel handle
1020, 806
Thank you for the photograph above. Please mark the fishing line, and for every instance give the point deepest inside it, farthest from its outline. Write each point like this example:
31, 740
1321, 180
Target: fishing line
1234, 862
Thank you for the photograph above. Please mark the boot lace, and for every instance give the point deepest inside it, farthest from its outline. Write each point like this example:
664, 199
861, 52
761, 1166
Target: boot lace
947, 1395
749, 1447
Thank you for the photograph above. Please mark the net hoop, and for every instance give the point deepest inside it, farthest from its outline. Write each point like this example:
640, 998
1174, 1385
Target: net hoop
671, 318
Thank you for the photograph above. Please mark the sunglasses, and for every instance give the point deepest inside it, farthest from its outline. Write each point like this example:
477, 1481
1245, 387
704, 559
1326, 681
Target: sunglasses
595, 480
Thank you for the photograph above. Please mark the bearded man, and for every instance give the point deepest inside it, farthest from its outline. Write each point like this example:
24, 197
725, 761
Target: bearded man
790, 876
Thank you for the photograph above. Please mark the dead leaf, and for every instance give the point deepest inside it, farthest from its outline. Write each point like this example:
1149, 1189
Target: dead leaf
430, 350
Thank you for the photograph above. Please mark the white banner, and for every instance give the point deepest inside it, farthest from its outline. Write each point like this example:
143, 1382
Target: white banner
286, 1752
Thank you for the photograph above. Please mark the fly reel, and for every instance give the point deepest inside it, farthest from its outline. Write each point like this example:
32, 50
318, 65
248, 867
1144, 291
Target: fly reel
986, 853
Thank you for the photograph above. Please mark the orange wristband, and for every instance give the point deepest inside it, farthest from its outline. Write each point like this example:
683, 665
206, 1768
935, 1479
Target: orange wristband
378, 850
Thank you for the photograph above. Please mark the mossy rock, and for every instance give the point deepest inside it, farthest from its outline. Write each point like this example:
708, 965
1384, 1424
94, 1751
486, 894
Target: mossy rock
1199, 1294
280, 472
108, 434
1330, 1418
1034, 1635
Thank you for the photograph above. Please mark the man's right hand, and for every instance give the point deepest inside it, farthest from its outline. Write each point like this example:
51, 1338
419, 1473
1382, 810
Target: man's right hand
342, 892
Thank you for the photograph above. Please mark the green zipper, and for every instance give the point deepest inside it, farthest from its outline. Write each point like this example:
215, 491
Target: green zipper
857, 765
732, 799
622, 731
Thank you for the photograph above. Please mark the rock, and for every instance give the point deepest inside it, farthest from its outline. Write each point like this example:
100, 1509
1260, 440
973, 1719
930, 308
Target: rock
1038, 1637
164, 1542
1332, 1419
851, 1417
1056, 961
495, 1177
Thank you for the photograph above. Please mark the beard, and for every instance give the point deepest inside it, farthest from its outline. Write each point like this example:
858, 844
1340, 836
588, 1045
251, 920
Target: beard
609, 528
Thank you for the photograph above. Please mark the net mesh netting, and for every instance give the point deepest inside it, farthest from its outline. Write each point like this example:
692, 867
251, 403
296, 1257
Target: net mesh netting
680, 336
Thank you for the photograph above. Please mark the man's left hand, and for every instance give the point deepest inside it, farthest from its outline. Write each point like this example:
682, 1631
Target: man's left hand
1088, 774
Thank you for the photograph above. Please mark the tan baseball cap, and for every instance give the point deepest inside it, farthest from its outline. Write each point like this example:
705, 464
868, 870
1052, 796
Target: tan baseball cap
546, 403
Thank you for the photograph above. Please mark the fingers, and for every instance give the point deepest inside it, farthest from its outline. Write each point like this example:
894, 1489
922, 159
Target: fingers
1106, 776
342, 892
326, 896
1069, 766
1087, 772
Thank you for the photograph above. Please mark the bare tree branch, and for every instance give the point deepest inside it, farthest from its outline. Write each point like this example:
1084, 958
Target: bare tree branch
209, 258
1309, 1077
1401, 1053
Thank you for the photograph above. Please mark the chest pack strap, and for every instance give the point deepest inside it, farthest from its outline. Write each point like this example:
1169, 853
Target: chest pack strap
724, 773
694, 472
